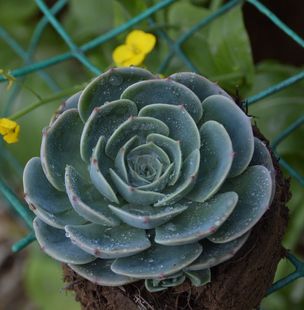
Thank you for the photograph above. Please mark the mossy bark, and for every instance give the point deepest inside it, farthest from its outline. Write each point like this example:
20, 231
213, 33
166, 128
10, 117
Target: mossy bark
238, 284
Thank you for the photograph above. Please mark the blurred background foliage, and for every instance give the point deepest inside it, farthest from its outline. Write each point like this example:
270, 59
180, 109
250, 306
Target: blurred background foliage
224, 51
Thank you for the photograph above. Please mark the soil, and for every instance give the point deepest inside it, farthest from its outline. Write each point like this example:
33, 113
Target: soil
238, 284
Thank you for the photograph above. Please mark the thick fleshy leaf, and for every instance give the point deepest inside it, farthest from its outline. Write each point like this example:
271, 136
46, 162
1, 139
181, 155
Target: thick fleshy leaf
136, 180
181, 125
50, 205
39, 192
104, 162
144, 169
156, 285
102, 122
58, 220
217, 253
54, 242
108, 87
60, 147
201, 86
200, 277
134, 195
108, 242
186, 181
164, 91
86, 200
151, 150
172, 281
254, 190
261, 156
160, 183
100, 171
140, 126
146, 164
216, 159
70, 103
158, 261
153, 286
120, 159
238, 126
147, 217
99, 272
198, 221
173, 150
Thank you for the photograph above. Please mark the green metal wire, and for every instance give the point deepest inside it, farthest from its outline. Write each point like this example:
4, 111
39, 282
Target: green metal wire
183, 38
16, 203
263, 9
23, 54
175, 49
8, 157
76, 52
284, 134
23, 243
280, 138
298, 273
276, 88
292, 172
91, 44
28, 55
204, 22
41, 25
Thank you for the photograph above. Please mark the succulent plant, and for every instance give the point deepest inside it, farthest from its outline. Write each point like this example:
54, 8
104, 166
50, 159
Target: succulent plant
147, 178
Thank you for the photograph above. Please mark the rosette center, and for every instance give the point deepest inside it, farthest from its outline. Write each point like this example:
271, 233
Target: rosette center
146, 163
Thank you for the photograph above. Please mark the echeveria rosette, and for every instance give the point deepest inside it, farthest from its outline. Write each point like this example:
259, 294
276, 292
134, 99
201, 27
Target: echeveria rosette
148, 178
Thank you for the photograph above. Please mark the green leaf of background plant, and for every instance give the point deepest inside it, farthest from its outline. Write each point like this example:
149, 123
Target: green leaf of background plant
44, 285
133, 7
230, 49
276, 112
221, 51
87, 18
15, 11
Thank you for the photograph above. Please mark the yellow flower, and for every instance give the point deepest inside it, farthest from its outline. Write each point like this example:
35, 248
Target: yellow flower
137, 46
9, 130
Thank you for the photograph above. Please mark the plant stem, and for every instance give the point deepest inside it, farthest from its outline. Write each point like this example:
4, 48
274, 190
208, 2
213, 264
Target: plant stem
62, 94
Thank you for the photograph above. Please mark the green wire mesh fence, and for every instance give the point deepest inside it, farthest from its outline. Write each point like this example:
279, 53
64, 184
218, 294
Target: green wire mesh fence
175, 50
